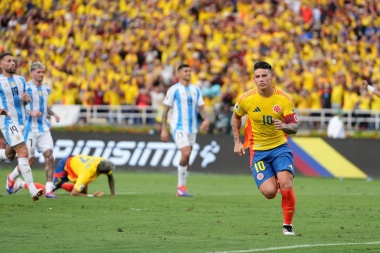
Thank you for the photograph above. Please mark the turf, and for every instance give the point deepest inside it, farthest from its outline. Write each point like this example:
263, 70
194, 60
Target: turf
227, 214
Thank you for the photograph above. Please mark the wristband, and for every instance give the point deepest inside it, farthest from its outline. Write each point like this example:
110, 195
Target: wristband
370, 88
90, 195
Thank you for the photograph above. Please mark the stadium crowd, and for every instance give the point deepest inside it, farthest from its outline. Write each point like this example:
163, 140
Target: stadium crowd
126, 52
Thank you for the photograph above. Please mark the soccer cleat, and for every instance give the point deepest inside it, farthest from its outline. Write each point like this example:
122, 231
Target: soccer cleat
182, 192
38, 193
18, 185
9, 185
287, 230
50, 195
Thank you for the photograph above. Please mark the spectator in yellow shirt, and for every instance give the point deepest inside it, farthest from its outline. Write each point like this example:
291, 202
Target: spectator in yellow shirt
112, 97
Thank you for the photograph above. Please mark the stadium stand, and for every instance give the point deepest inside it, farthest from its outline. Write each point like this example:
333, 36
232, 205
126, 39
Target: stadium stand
119, 52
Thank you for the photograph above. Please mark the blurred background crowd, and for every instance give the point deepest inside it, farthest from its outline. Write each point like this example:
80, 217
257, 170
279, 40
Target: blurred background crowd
118, 52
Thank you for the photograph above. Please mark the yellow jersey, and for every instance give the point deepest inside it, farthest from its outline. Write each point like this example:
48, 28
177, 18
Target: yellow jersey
337, 94
260, 133
82, 170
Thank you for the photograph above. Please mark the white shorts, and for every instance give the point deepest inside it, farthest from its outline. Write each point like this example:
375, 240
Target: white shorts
13, 134
41, 141
183, 139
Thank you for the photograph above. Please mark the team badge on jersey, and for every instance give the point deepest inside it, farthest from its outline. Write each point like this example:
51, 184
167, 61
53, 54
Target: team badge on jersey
260, 176
276, 108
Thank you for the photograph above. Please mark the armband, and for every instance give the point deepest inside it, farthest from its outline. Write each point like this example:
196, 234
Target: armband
370, 88
90, 195
291, 118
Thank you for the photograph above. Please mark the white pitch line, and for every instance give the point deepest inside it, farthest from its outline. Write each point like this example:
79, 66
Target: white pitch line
65, 193
296, 247
126, 193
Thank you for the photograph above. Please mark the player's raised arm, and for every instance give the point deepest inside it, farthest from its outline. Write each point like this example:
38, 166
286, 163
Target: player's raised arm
236, 125
370, 88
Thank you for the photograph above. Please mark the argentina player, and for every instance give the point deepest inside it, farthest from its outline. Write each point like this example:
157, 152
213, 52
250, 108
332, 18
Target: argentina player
13, 98
186, 101
37, 131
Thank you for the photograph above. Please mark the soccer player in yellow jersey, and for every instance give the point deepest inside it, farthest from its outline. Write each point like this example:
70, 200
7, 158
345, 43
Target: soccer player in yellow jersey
74, 173
270, 118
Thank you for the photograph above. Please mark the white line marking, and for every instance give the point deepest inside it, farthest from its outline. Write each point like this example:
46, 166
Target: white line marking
126, 193
296, 247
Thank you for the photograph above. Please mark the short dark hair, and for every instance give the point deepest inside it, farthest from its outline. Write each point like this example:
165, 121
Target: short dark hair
262, 65
183, 66
2, 55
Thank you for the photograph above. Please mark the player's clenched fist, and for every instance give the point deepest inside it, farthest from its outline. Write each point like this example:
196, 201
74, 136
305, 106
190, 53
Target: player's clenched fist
278, 124
164, 135
4, 112
205, 125
239, 148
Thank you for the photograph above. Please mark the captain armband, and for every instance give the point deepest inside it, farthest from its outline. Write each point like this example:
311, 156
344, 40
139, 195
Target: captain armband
291, 118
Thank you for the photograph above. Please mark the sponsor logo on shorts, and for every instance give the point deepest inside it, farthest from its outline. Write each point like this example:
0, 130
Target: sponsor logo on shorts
260, 176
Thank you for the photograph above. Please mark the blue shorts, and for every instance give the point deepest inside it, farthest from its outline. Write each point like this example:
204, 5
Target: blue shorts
60, 175
267, 163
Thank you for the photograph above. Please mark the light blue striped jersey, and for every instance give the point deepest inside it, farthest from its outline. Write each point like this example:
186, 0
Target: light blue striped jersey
184, 102
10, 91
39, 98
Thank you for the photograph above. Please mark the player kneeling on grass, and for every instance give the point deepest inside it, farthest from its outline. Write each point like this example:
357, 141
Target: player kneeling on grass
74, 173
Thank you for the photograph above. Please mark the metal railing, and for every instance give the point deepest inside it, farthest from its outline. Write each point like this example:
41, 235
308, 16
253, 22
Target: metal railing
308, 118
125, 114
353, 119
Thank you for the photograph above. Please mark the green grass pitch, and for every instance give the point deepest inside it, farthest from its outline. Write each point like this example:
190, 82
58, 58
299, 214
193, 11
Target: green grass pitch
226, 214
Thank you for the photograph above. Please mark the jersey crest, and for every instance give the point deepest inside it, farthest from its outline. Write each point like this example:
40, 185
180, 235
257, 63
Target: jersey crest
276, 108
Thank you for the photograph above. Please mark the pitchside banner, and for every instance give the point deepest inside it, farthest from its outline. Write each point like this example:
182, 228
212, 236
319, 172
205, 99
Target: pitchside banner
349, 158
144, 152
